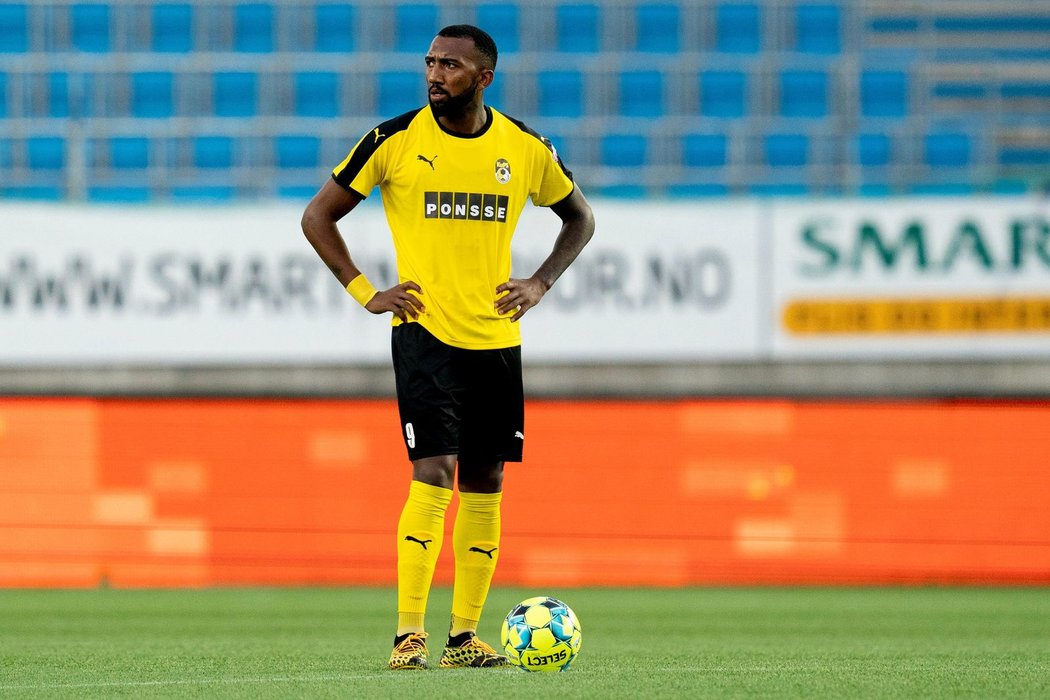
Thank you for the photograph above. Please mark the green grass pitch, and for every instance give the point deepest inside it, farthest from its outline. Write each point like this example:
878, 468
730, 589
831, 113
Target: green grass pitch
645, 643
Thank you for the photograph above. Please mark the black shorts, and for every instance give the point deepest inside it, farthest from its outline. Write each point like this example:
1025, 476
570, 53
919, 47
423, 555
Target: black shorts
458, 402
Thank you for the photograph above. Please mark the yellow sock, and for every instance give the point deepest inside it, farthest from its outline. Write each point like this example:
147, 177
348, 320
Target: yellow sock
419, 534
475, 541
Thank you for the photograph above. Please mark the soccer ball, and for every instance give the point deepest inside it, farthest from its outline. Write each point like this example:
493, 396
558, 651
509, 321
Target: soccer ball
541, 634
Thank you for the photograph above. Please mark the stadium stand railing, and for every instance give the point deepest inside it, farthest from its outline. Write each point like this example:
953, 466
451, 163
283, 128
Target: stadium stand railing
139, 101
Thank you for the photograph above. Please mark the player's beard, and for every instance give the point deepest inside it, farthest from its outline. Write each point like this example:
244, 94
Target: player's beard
455, 105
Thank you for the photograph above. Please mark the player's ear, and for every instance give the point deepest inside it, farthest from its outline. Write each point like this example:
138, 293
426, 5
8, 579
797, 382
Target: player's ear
485, 77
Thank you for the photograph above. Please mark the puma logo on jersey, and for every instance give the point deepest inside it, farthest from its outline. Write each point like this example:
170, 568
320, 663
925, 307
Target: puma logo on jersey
486, 552
428, 161
518, 434
378, 135
422, 543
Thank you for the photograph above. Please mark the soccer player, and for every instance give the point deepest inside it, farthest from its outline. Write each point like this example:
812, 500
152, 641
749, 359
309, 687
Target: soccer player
454, 177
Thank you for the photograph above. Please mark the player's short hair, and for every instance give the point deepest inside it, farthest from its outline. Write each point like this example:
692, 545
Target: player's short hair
482, 41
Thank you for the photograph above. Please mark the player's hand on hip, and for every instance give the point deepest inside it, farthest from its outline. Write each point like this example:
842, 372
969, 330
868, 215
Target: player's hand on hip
398, 300
518, 296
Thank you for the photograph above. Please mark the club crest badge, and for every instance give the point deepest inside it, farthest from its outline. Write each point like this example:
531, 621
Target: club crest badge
502, 171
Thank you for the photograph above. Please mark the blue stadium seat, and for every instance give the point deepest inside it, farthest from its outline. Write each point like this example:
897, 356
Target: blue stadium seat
317, 94
118, 194
172, 28
1033, 89
641, 94
253, 28
415, 27
817, 29
704, 150
5, 153
947, 150
14, 28
152, 94
883, 93
33, 192
494, 92
685, 190
58, 95
129, 152
235, 94
623, 150
399, 92
738, 28
334, 28
576, 28
623, 191
297, 151
1025, 155
873, 150
500, 20
3, 95
90, 27
803, 93
203, 193
786, 150
561, 93
723, 94
46, 152
779, 189
657, 28
213, 152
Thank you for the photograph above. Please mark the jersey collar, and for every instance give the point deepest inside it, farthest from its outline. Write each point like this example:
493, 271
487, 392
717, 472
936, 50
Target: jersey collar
481, 132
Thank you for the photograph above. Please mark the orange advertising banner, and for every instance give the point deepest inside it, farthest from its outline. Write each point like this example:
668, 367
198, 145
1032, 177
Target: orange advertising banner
130, 492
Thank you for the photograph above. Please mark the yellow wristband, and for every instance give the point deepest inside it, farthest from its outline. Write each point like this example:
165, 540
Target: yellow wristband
361, 290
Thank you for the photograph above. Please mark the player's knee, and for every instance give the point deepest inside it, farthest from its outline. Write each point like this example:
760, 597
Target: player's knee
436, 471
481, 478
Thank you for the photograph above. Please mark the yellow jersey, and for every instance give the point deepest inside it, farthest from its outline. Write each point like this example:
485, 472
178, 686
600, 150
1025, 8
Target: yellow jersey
452, 203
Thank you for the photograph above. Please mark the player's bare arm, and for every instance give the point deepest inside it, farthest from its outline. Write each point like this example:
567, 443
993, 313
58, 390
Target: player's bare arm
319, 221
577, 226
